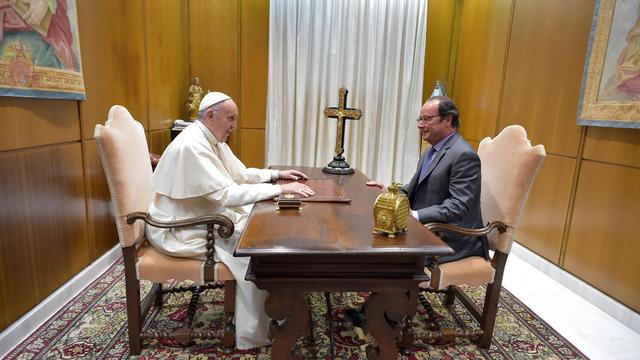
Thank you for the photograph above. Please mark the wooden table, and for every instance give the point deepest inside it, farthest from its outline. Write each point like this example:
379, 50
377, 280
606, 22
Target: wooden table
330, 247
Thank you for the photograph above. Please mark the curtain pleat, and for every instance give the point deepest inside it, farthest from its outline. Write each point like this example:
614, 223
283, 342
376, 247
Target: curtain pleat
375, 48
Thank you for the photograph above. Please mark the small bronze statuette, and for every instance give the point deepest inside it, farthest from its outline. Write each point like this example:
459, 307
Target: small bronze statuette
289, 201
193, 101
391, 212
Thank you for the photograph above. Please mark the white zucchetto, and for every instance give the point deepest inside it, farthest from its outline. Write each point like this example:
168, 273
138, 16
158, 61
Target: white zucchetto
212, 98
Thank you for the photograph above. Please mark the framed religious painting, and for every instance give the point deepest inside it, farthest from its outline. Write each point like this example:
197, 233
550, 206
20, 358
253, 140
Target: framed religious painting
610, 94
40, 49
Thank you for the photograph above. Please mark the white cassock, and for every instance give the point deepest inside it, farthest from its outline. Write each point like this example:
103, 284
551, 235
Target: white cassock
198, 175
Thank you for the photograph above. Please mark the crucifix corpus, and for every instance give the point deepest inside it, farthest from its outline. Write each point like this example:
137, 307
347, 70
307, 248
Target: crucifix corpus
339, 165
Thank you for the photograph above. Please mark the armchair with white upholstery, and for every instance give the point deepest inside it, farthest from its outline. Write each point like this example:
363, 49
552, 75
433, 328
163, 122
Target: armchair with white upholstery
125, 158
509, 167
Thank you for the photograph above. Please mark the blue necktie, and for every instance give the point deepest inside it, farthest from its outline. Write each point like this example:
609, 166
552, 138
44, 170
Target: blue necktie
425, 165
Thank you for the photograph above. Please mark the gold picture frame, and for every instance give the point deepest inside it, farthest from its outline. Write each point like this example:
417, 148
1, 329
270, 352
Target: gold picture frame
610, 94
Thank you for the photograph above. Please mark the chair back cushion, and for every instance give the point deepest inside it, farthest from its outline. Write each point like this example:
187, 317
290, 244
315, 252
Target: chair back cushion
509, 166
125, 158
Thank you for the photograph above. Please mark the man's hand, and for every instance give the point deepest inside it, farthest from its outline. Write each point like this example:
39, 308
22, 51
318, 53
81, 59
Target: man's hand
296, 188
291, 175
377, 184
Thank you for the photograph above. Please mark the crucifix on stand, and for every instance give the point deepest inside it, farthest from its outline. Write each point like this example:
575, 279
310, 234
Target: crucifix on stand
339, 165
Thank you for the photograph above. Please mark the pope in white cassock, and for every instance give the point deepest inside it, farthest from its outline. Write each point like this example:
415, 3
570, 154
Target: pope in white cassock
197, 175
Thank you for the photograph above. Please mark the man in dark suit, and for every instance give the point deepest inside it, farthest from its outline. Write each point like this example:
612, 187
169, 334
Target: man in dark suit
446, 185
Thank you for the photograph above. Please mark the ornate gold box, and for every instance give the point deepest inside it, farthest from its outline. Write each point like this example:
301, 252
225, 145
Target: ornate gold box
391, 212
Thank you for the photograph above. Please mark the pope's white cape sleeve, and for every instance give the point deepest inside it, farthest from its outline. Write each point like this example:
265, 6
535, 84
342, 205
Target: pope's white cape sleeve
240, 195
255, 176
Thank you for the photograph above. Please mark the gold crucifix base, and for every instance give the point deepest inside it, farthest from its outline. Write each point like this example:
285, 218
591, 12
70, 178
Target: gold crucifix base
338, 166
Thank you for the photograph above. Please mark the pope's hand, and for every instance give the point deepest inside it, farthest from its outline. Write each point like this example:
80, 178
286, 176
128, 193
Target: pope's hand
296, 188
291, 175
377, 184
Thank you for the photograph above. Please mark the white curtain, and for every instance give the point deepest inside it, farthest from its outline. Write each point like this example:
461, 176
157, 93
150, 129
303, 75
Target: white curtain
375, 48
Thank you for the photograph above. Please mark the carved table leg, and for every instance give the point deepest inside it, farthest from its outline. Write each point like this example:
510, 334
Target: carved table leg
294, 310
408, 334
383, 314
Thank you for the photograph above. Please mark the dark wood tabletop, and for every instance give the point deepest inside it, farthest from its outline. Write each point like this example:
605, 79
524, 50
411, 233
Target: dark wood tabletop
332, 228
329, 247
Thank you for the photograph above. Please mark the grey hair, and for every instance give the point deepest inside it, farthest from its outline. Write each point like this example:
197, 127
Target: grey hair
446, 107
202, 113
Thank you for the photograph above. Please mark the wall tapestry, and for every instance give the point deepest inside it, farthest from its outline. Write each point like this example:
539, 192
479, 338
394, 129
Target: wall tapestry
610, 94
40, 49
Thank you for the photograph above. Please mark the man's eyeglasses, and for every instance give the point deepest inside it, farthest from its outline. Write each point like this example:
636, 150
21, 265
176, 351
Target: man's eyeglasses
426, 119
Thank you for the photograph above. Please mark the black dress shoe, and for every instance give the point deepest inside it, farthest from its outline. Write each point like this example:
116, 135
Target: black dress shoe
356, 316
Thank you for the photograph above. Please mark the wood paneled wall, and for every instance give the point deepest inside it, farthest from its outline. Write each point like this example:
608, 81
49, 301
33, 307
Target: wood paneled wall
254, 62
543, 71
57, 121
43, 230
441, 47
442, 37
602, 244
521, 62
229, 51
55, 215
482, 44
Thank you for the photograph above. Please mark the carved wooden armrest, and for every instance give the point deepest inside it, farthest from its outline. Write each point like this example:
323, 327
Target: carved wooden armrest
225, 229
438, 228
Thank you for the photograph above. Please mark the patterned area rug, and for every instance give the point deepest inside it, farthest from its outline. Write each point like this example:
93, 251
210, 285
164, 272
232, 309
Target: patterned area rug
93, 326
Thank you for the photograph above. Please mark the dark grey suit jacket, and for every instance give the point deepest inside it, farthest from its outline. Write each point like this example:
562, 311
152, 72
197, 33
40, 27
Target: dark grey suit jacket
450, 193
